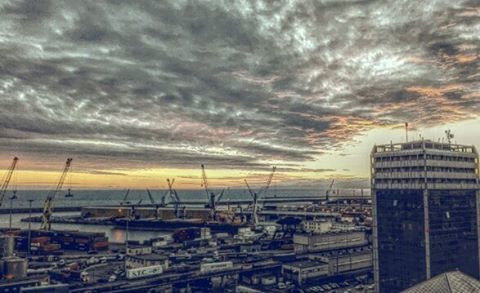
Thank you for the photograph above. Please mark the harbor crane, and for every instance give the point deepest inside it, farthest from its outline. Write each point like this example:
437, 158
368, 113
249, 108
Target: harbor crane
204, 181
48, 205
329, 190
125, 197
262, 192
211, 197
254, 217
8, 177
150, 197
173, 196
269, 182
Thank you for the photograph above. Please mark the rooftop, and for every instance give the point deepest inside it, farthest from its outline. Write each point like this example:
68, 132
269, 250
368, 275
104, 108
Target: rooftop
429, 144
454, 282
304, 264
151, 256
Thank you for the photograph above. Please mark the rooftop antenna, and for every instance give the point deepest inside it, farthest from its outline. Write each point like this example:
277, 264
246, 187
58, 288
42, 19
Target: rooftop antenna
449, 135
406, 131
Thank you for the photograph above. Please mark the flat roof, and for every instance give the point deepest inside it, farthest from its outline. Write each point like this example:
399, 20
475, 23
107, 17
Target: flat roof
151, 256
429, 144
304, 264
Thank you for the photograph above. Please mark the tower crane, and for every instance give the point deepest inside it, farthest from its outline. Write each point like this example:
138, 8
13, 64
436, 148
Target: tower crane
48, 204
8, 177
327, 193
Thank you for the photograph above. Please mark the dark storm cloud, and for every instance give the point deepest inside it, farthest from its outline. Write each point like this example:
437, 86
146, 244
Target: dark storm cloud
233, 84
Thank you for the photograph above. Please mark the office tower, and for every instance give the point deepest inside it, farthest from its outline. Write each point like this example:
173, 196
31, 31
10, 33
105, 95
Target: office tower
425, 211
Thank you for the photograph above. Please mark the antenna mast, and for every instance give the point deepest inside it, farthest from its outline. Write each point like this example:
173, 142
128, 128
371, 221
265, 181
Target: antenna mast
449, 136
406, 131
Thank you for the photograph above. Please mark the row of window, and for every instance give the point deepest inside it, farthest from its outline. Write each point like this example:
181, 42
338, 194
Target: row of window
429, 180
428, 157
429, 168
420, 170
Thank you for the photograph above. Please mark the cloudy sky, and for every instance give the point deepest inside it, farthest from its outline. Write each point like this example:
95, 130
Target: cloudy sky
136, 91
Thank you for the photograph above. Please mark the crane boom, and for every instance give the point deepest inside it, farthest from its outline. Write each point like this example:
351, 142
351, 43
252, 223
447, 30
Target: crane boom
205, 182
173, 195
248, 186
150, 196
48, 205
124, 201
254, 217
219, 198
8, 177
269, 181
327, 194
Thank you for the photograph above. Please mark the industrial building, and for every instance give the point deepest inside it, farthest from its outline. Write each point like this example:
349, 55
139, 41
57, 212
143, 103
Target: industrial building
306, 242
305, 270
425, 212
342, 261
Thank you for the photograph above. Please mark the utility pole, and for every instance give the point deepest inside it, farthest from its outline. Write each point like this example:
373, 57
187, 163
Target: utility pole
29, 224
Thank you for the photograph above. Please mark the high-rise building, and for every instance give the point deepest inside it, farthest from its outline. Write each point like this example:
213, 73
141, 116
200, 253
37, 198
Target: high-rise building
426, 207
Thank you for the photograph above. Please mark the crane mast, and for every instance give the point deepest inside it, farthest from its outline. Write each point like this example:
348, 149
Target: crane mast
48, 205
8, 177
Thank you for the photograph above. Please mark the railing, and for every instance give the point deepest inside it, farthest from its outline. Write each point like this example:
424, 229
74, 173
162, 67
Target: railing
452, 186
421, 174
430, 163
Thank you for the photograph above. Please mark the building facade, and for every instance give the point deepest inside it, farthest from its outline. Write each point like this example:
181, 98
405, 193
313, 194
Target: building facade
425, 212
303, 271
306, 243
